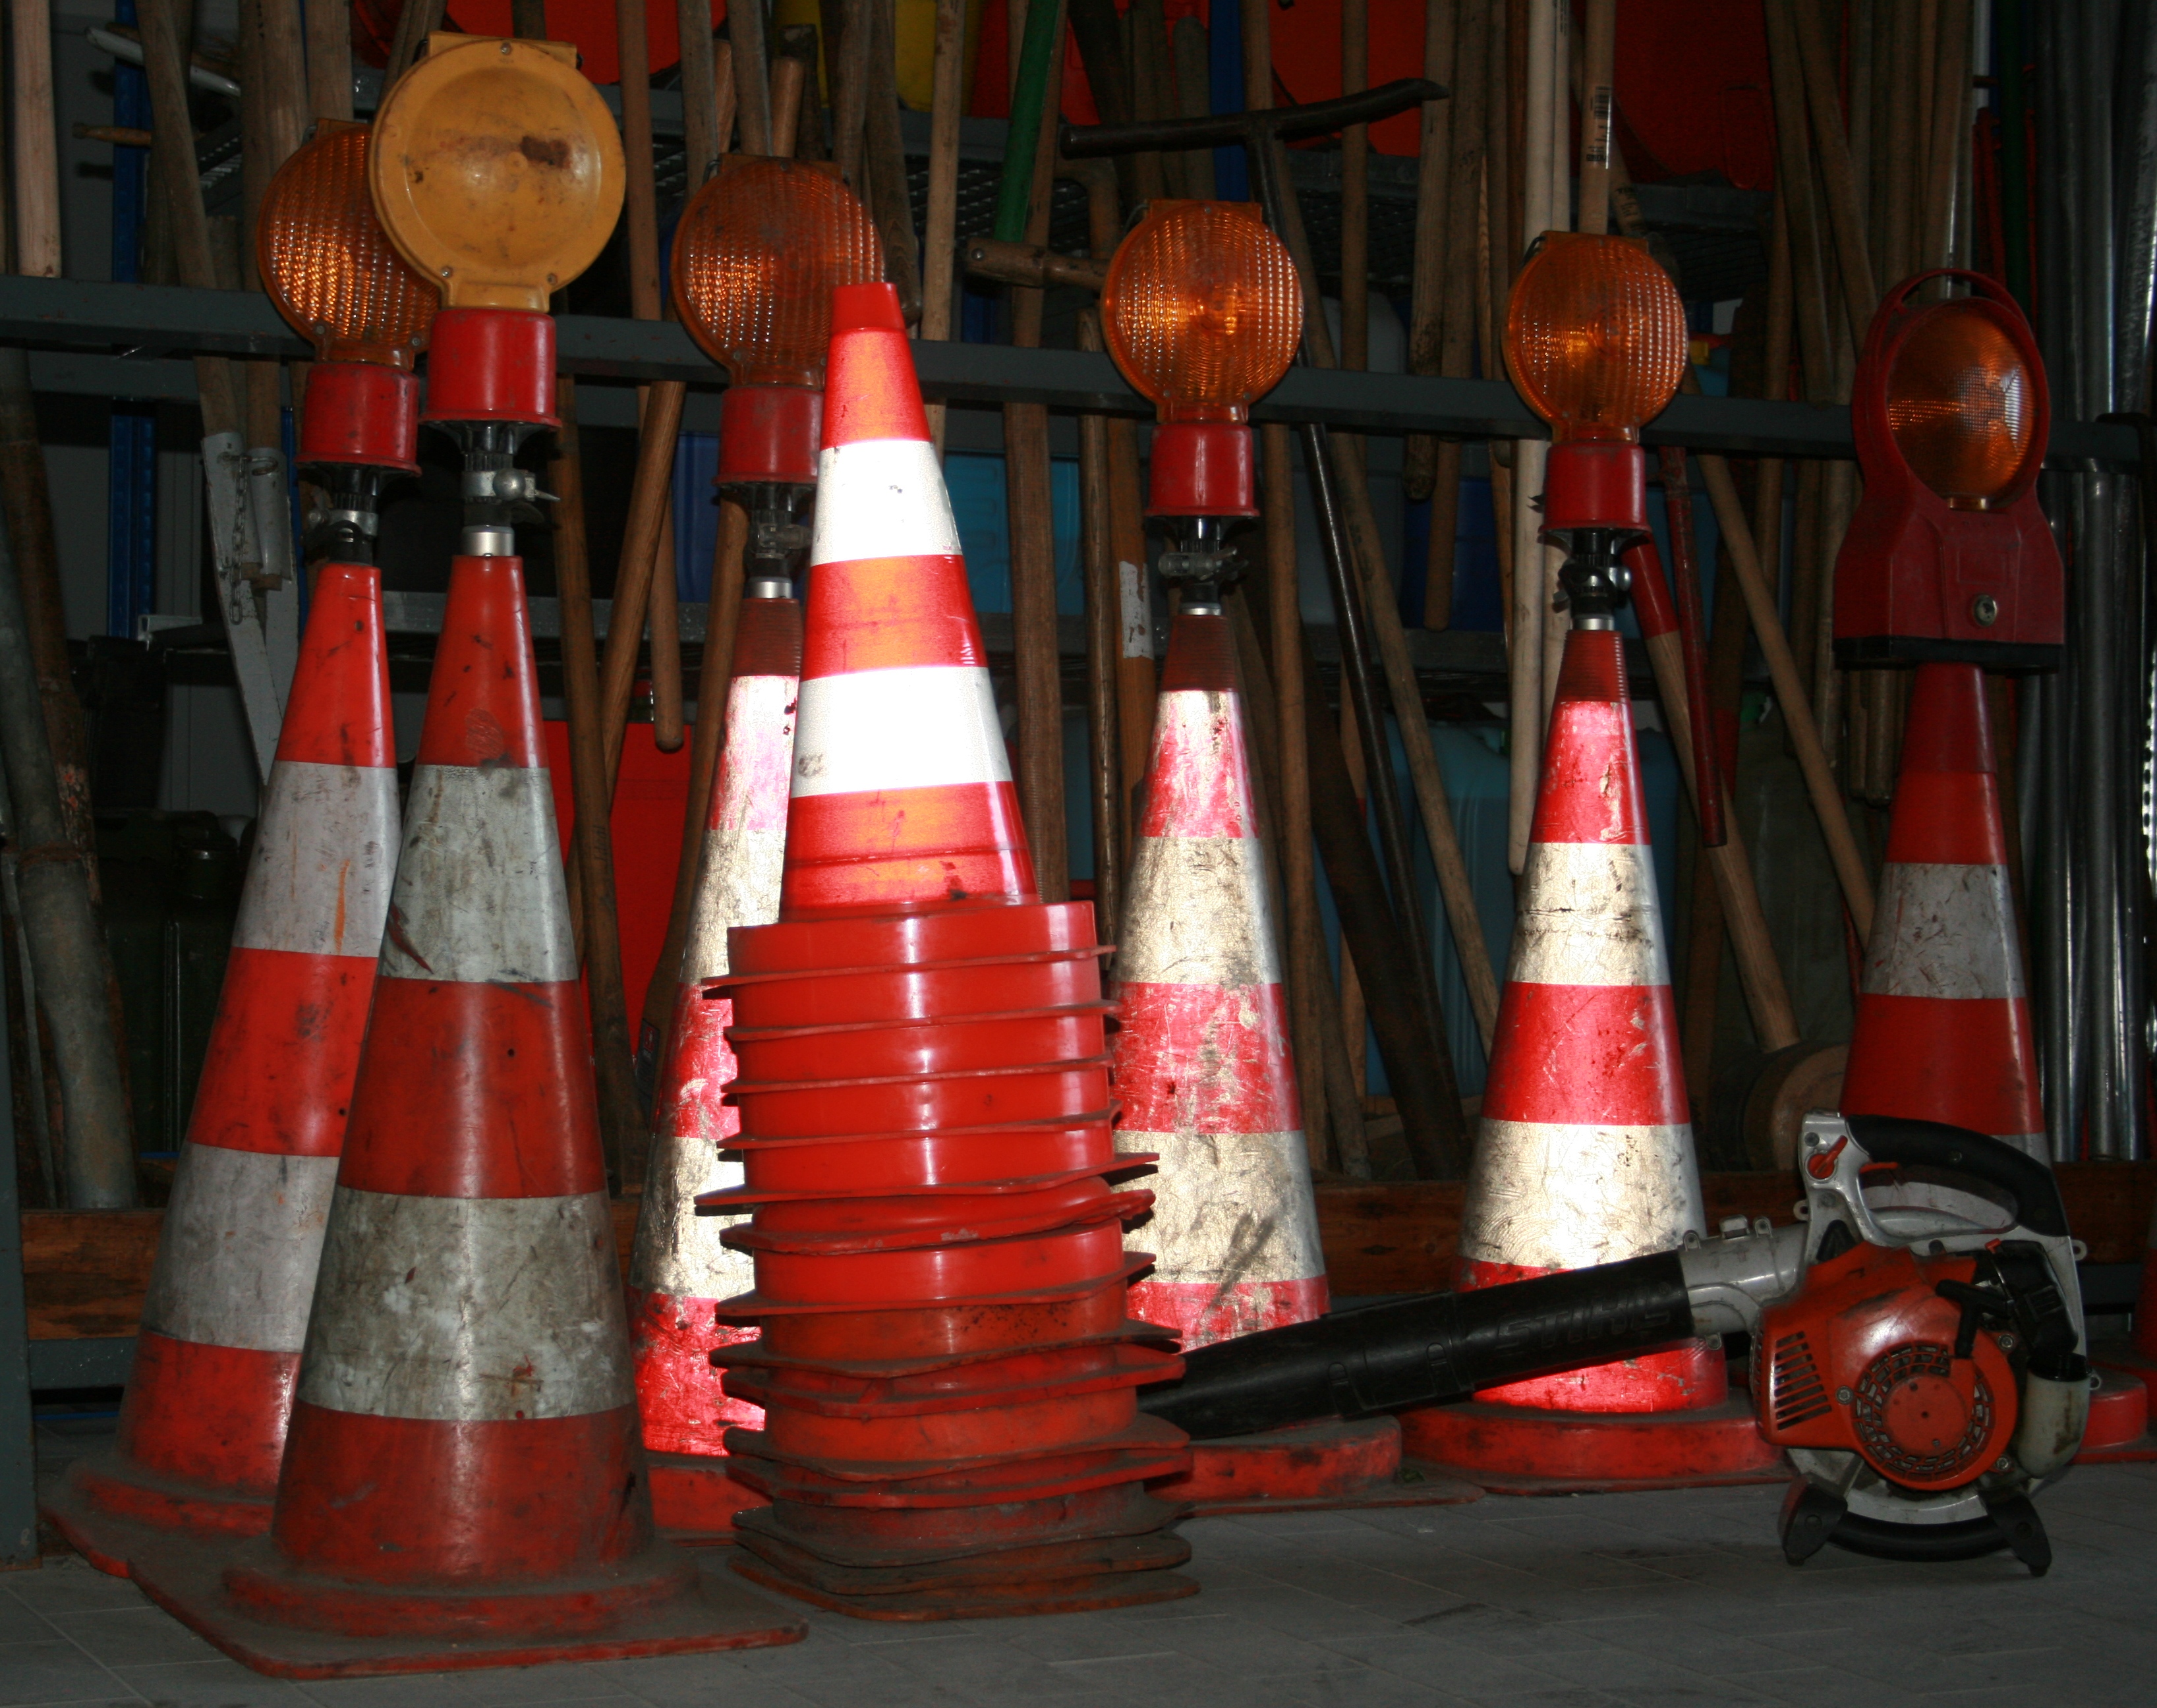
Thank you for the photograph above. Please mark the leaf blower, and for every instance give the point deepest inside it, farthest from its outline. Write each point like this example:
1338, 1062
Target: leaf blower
1917, 1341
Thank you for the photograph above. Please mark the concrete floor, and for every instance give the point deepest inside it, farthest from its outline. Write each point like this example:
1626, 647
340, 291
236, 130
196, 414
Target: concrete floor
1579, 1603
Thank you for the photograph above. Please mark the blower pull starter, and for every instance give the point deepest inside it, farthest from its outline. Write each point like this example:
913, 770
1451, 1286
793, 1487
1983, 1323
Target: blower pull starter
1918, 1341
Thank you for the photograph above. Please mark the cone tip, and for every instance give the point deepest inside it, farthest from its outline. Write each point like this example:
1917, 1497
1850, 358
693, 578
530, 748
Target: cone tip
866, 308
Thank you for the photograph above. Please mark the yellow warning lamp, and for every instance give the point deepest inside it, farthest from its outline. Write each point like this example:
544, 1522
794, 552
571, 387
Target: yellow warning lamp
1202, 309
326, 264
1948, 556
497, 172
758, 253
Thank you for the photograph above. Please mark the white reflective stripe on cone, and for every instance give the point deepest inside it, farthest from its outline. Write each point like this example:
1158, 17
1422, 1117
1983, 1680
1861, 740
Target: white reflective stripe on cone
874, 730
236, 1256
324, 854
737, 885
881, 498
1558, 1195
677, 1252
468, 1310
1228, 1207
479, 896
1946, 931
1590, 916
1198, 913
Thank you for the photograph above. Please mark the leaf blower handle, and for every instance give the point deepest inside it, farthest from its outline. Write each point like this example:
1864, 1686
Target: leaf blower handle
1893, 1139
1435, 1347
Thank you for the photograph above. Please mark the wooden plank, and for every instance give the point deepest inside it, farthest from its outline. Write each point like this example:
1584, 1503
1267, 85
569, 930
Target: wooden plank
85, 1271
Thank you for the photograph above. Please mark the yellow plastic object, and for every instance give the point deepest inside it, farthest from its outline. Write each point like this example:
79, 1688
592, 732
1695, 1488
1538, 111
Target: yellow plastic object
1595, 336
1202, 309
497, 169
326, 264
758, 253
1960, 404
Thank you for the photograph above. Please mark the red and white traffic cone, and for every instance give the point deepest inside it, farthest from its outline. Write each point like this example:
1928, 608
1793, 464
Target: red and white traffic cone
1205, 1076
202, 1427
464, 1484
1584, 1153
1943, 1031
681, 1269
946, 1368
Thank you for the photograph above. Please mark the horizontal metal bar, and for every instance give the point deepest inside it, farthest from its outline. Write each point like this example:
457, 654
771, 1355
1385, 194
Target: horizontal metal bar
104, 1361
153, 321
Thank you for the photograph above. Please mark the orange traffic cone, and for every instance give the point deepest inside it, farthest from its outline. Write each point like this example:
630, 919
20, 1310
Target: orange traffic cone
464, 1485
681, 1269
202, 1428
1206, 1080
946, 1369
1943, 1031
1584, 1153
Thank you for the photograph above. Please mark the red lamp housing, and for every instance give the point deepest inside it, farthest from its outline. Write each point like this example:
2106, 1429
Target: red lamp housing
1948, 556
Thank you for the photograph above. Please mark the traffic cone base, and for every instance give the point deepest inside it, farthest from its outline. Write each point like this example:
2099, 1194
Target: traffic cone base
1143, 1581
1943, 1031
202, 1424
2118, 1431
1525, 1450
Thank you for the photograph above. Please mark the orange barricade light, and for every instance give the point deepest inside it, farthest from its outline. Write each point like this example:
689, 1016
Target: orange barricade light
1595, 340
1202, 309
1948, 556
759, 251
335, 278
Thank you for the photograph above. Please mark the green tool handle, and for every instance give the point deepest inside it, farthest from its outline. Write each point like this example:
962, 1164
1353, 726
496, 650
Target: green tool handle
1044, 21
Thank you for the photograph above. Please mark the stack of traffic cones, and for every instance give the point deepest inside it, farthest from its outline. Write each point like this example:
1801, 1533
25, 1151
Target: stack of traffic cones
681, 1269
464, 1484
1585, 1154
202, 1429
1203, 1071
946, 1369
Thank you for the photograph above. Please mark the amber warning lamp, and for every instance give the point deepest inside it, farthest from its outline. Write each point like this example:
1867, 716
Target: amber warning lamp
1948, 556
498, 173
1595, 340
758, 253
333, 275
1203, 311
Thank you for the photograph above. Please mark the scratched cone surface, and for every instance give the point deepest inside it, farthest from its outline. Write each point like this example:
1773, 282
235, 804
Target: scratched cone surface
464, 1484
1943, 1031
202, 1427
1584, 1151
680, 1269
946, 1367
1203, 1066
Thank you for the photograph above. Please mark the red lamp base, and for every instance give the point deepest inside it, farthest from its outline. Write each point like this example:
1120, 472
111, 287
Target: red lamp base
492, 364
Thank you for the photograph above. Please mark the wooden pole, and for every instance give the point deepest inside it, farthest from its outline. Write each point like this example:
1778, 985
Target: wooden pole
752, 76
36, 139
418, 20
1524, 666
651, 497
939, 237
1435, 190
1356, 186
1596, 114
620, 1129
1801, 30
885, 160
1103, 760
846, 54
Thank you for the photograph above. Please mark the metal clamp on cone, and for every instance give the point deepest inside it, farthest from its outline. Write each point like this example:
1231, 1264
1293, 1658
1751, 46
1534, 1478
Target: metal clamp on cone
946, 1366
465, 1481
758, 253
1584, 1151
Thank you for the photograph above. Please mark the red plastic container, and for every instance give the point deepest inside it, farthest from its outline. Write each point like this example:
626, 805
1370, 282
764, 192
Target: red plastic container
803, 1108
955, 1042
861, 1224
875, 1537
1006, 1271
956, 1387
898, 1329
1046, 1424
976, 1158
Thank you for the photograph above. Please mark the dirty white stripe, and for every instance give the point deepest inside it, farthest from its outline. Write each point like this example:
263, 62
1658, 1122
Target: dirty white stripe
1589, 916
1136, 608
881, 498
467, 1309
325, 851
1198, 913
1555, 1195
1228, 1207
743, 855
236, 1260
923, 728
678, 1251
1946, 931
480, 895
738, 884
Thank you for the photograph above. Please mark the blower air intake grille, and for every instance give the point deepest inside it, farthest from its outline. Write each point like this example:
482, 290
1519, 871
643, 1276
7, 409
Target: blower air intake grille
1799, 1394
1912, 1420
